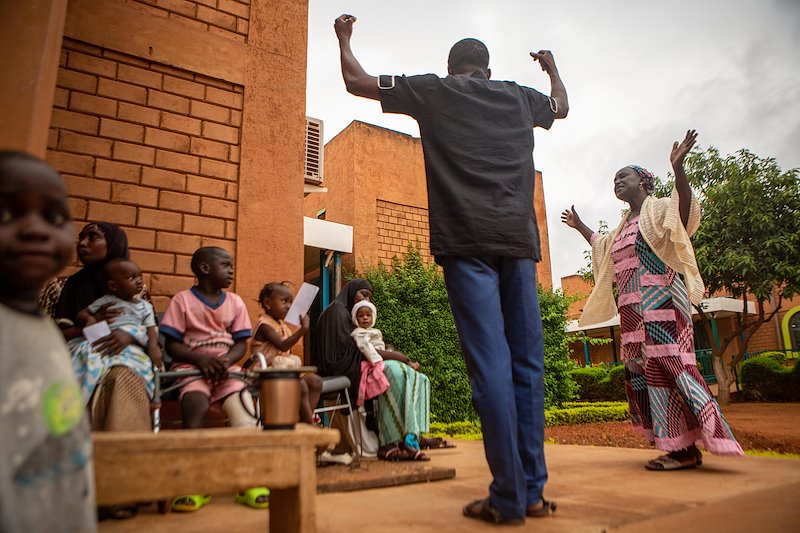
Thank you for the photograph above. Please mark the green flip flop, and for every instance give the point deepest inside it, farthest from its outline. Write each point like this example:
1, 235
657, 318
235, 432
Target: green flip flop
190, 503
257, 498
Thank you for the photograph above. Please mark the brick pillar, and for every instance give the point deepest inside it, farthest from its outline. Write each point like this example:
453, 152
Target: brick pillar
269, 245
30, 37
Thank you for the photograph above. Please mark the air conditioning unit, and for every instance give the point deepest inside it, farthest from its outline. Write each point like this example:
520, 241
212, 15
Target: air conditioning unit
314, 151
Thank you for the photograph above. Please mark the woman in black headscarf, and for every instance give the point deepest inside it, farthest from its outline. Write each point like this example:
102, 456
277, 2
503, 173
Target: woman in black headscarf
403, 410
98, 243
120, 402
334, 352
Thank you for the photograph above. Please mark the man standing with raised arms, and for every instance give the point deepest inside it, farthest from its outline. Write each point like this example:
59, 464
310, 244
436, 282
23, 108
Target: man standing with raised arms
477, 138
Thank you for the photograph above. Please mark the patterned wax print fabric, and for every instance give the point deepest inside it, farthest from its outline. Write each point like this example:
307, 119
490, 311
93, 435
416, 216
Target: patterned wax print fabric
46, 476
669, 400
90, 366
405, 407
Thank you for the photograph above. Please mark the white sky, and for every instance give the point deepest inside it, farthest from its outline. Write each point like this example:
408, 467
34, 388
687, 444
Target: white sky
638, 74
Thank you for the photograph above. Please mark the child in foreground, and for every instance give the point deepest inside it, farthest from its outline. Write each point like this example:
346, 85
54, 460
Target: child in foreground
207, 328
274, 339
369, 340
134, 315
46, 477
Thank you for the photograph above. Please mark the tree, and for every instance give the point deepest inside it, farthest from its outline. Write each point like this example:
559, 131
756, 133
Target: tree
748, 244
414, 315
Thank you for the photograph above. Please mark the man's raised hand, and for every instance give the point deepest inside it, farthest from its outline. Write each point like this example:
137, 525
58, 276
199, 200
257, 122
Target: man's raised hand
545, 59
344, 26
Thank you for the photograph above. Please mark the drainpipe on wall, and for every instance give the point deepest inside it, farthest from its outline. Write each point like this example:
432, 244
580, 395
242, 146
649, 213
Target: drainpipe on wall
613, 343
586, 352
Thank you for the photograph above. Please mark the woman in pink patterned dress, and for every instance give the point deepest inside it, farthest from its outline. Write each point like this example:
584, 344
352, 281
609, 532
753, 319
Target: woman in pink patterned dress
650, 257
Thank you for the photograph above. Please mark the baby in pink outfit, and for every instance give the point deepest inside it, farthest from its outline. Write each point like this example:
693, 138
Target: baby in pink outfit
369, 340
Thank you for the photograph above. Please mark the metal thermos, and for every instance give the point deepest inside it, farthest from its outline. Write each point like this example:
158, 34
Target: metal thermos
279, 394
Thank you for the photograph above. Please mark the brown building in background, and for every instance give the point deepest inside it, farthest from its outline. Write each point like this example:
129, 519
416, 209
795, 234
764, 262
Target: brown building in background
376, 183
781, 333
180, 120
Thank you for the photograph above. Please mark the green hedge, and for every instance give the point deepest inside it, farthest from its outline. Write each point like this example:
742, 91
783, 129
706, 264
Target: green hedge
457, 430
587, 414
766, 379
573, 413
596, 383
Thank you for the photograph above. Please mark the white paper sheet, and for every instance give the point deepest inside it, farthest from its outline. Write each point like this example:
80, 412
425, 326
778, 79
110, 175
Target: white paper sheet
302, 303
96, 331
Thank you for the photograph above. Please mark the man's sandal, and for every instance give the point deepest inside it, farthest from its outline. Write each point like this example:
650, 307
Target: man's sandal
190, 503
667, 462
257, 498
483, 510
548, 508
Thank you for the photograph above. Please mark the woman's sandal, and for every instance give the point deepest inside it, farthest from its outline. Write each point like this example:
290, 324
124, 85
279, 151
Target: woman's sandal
667, 462
190, 503
257, 498
548, 508
432, 443
483, 510
396, 453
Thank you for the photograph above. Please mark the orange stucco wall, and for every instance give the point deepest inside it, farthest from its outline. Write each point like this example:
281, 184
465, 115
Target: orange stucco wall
376, 183
165, 117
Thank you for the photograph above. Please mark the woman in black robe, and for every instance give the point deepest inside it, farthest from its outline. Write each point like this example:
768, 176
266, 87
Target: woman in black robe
403, 410
334, 352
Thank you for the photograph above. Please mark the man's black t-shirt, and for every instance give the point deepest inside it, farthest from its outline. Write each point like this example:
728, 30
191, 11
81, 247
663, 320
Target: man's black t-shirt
477, 137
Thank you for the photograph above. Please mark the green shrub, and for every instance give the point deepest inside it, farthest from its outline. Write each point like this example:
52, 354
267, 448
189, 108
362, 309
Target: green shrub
765, 379
587, 414
595, 383
572, 413
456, 430
415, 316
588, 379
559, 386
569, 405
616, 383
779, 357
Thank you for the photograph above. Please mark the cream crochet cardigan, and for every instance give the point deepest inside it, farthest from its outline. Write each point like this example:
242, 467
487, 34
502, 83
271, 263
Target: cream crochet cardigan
662, 229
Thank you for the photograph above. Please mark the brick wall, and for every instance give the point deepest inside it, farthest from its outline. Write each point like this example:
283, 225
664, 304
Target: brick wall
151, 148
230, 18
397, 226
767, 337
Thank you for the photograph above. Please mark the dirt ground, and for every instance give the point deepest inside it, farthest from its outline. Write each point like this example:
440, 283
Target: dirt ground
757, 426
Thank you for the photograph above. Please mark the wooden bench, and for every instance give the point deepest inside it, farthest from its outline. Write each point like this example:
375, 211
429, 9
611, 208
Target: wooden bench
131, 467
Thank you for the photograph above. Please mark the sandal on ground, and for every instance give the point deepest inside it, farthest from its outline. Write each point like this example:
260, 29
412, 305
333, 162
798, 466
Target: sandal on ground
190, 503
117, 512
257, 498
397, 453
483, 510
432, 443
667, 462
698, 456
548, 508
